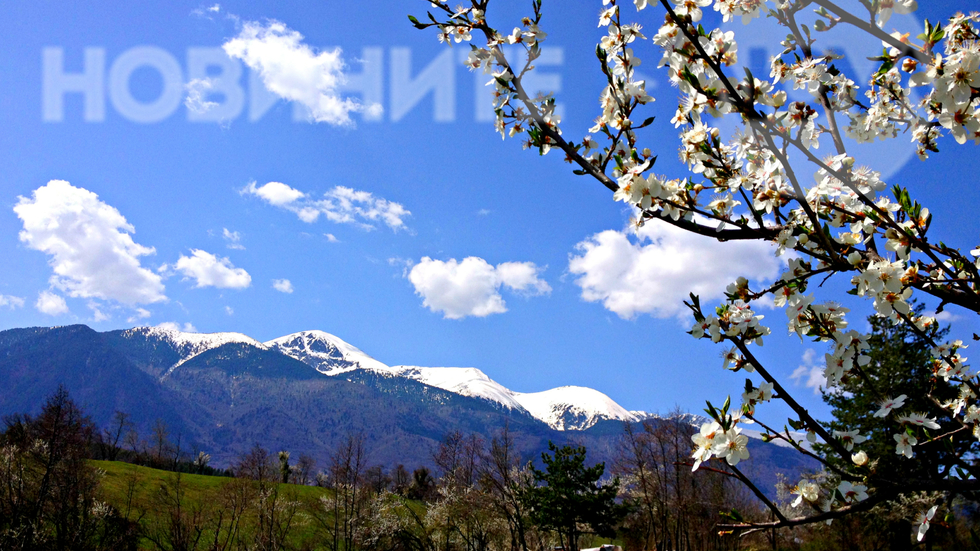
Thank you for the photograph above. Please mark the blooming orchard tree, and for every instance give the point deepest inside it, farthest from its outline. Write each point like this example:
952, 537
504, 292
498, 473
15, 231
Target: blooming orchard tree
844, 223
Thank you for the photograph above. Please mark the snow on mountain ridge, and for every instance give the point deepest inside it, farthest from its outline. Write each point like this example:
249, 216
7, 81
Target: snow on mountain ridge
189, 345
465, 381
328, 354
572, 407
563, 408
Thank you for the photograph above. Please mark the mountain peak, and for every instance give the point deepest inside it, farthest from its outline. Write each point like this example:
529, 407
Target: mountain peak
188, 345
328, 354
572, 407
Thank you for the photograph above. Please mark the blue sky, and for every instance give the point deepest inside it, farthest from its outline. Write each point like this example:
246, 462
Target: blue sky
429, 180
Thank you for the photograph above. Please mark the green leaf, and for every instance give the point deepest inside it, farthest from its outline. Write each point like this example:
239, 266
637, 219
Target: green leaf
732, 515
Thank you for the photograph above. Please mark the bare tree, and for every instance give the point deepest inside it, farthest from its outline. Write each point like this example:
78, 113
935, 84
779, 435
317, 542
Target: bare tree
271, 508
400, 479
673, 507
182, 523
48, 491
111, 436
304, 470
284, 469
377, 479
340, 514
505, 478
160, 440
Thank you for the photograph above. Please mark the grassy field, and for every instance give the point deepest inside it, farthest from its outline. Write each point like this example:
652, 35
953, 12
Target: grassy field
135, 492
147, 482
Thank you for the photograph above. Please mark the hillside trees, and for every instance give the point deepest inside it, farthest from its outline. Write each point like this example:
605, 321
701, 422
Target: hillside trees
49, 494
846, 224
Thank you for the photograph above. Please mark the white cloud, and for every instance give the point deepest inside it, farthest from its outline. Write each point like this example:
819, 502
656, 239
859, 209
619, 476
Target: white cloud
654, 273
233, 239
275, 193
404, 263
345, 205
229, 310
92, 252
946, 316
51, 304
210, 271
472, 287
809, 373
331, 238
206, 11
282, 285
522, 277
11, 302
174, 326
296, 72
341, 205
197, 92
97, 313
141, 313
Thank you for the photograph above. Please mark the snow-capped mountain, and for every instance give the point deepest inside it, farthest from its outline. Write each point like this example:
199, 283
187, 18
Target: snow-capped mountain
466, 381
229, 393
572, 407
189, 345
563, 408
328, 354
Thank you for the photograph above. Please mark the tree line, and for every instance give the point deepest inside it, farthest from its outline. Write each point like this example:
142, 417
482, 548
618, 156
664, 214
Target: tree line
479, 495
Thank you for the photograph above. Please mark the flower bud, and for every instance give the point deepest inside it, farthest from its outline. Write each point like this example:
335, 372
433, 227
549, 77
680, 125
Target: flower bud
860, 458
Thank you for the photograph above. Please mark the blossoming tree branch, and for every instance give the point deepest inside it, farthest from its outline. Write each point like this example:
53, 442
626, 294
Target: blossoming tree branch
840, 219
